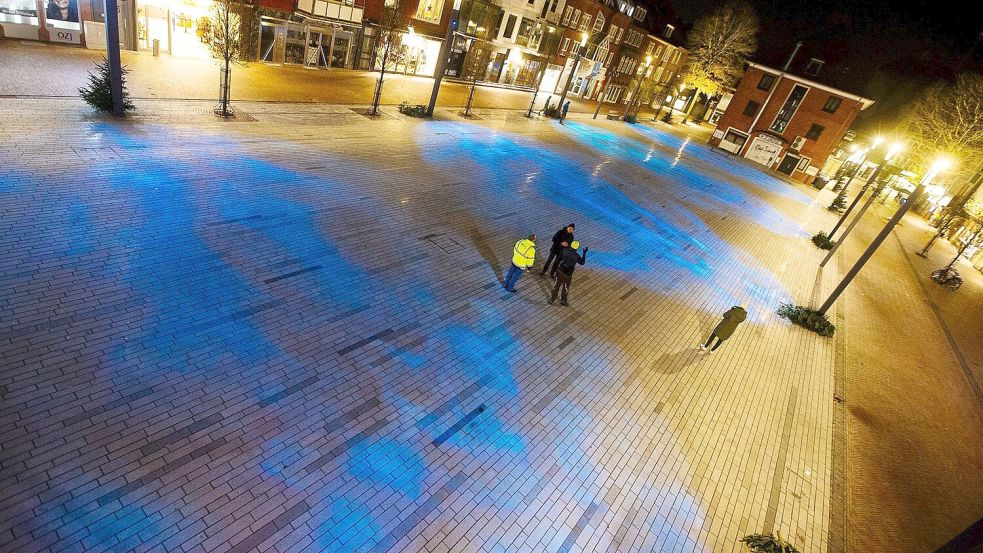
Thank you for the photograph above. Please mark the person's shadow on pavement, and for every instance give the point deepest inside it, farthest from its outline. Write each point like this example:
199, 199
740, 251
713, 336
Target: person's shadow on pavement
673, 362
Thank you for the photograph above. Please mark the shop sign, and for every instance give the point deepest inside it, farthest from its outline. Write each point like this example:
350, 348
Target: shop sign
67, 36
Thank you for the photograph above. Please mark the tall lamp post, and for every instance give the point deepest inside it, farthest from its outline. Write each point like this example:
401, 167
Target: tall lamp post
573, 71
445, 52
634, 95
938, 166
894, 149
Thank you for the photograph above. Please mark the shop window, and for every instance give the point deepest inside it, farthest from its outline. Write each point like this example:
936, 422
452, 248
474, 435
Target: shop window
525, 32
789, 109
599, 23
815, 131
751, 109
832, 104
21, 11
766, 82
430, 10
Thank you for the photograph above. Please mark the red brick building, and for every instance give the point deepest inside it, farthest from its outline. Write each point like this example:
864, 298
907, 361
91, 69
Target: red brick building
787, 123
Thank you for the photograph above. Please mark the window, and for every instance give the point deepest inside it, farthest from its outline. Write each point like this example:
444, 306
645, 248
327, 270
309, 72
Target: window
788, 110
610, 59
814, 131
567, 13
665, 56
585, 23
669, 30
832, 104
803, 164
26, 12
430, 10
621, 33
564, 46
640, 14
576, 18
526, 32
553, 5
509, 27
751, 108
815, 64
599, 23
766, 82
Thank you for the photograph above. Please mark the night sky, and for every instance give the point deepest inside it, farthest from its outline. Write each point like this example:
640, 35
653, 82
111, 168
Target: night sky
882, 49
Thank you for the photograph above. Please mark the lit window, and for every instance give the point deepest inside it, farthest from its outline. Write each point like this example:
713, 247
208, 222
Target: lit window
429, 10
567, 13
599, 23
576, 18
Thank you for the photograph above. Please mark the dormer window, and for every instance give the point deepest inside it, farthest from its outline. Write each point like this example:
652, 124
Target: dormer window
668, 31
815, 64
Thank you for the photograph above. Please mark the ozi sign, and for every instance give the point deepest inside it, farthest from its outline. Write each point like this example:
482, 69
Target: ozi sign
67, 36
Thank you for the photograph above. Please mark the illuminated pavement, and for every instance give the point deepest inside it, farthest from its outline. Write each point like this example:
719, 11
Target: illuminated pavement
271, 336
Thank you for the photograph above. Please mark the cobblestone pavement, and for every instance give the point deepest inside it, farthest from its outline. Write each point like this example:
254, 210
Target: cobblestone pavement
289, 334
38, 69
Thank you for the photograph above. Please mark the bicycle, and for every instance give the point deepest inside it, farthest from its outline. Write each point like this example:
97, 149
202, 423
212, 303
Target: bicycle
947, 278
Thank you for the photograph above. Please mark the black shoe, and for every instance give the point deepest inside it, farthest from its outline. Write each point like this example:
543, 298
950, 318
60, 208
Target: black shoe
564, 304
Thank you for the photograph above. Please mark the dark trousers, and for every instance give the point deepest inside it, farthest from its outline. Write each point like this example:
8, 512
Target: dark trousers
710, 339
553, 258
561, 285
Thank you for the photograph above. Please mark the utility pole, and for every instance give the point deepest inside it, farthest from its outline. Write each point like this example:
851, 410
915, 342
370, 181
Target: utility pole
573, 71
445, 52
872, 248
113, 56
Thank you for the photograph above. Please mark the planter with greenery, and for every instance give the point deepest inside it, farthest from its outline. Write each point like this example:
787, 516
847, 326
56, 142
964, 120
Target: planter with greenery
768, 543
667, 118
98, 94
822, 241
839, 203
633, 118
418, 110
807, 318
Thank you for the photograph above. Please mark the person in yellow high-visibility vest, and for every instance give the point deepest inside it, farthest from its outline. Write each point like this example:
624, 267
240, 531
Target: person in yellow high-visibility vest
523, 257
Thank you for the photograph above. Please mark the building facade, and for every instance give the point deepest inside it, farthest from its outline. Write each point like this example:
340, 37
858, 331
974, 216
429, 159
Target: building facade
784, 122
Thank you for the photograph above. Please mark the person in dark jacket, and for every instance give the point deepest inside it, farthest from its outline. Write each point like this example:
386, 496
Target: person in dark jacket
726, 327
561, 239
569, 259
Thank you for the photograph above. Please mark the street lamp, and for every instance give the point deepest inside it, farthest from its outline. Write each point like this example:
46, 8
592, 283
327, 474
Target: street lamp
937, 167
573, 70
891, 152
634, 96
445, 49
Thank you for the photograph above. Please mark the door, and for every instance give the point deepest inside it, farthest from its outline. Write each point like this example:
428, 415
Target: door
788, 164
318, 43
272, 40
341, 49
495, 69
763, 152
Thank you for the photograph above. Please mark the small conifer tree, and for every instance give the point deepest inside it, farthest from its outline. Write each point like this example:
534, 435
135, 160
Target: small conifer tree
99, 93
839, 203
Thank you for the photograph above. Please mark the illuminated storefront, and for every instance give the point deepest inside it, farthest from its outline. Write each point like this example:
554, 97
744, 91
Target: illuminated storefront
51, 20
320, 34
180, 27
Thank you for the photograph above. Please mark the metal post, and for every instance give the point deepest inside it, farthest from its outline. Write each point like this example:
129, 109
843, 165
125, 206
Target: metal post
634, 96
112, 54
852, 224
871, 248
601, 96
873, 178
445, 52
535, 92
573, 70
964, 247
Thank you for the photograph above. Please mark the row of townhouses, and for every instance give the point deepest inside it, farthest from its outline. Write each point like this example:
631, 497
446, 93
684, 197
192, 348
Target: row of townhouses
510, 42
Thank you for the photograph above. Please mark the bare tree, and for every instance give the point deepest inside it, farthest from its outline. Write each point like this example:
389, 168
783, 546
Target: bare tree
391, 42
948, 120
719, 44
224, 41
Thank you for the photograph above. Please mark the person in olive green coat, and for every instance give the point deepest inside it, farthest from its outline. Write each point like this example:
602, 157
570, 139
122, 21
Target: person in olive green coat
726, 327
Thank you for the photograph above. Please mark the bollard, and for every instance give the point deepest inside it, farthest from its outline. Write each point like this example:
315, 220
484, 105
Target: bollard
156, 47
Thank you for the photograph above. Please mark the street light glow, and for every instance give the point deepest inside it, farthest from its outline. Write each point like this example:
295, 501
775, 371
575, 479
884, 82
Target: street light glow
877, 140
583, 40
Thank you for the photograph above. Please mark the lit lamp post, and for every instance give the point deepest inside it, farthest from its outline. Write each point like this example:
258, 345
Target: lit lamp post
891, 152
634, 95
445, 51
573, 71
937, 167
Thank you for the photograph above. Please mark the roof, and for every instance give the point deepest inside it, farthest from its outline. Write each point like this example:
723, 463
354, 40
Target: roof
864, 102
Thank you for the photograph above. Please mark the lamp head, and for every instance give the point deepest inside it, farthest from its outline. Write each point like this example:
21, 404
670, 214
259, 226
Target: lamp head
583, 40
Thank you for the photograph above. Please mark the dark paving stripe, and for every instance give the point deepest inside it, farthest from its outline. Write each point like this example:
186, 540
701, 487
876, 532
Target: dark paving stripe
239, 220
107, 406
365, 341
557, 390
399, 351
575, 532
475, 265
287, 391
346, 314
169, 467
341, 420
292, 274
439, 440
503, 216
342, 448
182, 433
565, 343
776, 479
235, 316
418, 515
272, 527
558, 327
491, 285
464, 395
429, 236
628, 293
